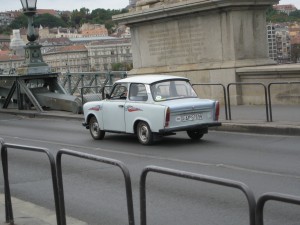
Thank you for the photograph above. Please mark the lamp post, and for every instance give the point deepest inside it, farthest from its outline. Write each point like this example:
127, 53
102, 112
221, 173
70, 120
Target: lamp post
34, 63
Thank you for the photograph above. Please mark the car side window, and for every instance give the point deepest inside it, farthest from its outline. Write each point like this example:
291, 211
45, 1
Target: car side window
119, 92
138, 92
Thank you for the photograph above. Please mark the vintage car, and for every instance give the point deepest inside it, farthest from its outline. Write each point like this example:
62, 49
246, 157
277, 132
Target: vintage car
151, 106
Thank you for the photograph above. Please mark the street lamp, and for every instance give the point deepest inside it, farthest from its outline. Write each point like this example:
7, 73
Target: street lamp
29, 9
34, 63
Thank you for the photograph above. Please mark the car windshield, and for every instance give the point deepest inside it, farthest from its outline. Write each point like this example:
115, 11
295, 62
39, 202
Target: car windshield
172, 89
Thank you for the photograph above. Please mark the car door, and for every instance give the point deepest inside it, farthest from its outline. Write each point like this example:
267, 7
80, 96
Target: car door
114, 109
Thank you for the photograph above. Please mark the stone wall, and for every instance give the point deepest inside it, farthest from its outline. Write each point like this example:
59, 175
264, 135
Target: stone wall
208, 41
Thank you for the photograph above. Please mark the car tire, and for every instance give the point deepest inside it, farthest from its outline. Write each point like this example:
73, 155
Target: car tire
95, 130
195, 134
144, 133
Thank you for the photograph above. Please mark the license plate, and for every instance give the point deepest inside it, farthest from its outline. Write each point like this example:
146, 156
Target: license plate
191, 117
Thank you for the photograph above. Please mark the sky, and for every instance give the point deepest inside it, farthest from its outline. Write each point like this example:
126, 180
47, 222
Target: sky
7, 5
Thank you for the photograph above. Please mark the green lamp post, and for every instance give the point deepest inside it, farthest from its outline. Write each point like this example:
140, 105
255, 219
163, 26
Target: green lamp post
34, 63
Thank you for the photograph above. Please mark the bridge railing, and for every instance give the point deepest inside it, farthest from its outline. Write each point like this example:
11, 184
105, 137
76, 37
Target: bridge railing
73, 82
199, 177
291, 199
4, 159
99, 159
255, 208
267, 96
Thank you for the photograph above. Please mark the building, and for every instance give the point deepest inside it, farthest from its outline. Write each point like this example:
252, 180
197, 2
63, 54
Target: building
103, 54
272, 41
49, 44
4, 42
5, 18
285, 8
72, 58
132, 3
9, 62
17, 44
283, 42
294, 30
279, 42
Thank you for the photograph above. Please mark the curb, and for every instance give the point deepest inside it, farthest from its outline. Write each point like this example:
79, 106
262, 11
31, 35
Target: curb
256, 127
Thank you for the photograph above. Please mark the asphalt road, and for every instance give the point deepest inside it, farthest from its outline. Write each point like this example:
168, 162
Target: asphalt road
95, 192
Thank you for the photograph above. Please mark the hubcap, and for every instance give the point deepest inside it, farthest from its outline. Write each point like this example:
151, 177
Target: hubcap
144, 133
95, 129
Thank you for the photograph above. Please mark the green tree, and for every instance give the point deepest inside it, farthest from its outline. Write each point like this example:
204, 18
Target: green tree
47, 20
295, 53
124, 66
20, 22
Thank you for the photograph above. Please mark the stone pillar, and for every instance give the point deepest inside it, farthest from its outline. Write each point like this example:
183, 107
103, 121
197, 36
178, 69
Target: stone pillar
205, 40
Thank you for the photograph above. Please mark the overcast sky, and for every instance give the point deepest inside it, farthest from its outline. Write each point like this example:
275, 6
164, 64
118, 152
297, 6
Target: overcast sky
7, 5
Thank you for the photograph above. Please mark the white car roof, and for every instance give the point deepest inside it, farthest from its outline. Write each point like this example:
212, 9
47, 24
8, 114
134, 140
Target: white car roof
149, 79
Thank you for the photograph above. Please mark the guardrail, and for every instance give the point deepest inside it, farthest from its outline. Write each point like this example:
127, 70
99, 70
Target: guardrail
224, 94
275, 197
255, 208
4, 159
75, 81
101, 160
266, 97
199, 177
269, 94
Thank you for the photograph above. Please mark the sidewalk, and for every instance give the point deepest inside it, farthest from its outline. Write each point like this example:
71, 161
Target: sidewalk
26, 213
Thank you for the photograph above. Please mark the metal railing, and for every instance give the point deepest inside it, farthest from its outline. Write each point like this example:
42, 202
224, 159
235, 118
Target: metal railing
275, 197
73, 82
101, 160
255, 208
269, 94
224, 94
8, 204
265, 91
199, 177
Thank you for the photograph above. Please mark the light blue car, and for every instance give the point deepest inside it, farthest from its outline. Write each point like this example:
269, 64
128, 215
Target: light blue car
151, 106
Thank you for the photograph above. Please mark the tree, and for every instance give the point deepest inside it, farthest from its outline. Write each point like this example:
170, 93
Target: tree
295, 53
20, 22
295, 14
47, 20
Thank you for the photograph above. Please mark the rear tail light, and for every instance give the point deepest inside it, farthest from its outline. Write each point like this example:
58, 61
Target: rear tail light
167, 120
217, 111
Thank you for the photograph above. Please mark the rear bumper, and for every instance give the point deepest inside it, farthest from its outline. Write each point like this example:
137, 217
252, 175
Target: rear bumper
190, 127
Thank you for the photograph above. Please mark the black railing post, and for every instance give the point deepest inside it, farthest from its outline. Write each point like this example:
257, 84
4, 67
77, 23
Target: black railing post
275, 197
224, 95
113, 162
269, 94
193, 176
8, 205
266, 97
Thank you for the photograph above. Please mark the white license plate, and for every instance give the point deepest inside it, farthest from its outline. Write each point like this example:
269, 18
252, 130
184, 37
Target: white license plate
191, 117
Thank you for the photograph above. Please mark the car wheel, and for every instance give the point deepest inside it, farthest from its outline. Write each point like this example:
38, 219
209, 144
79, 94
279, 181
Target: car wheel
144, 133
95, 131
195, 134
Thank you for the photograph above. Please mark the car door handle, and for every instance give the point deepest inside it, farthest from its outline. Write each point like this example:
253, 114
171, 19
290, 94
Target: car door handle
121, 106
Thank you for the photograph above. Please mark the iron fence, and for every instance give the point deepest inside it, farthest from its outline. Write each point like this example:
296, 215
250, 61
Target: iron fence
265, 92
199, 177
269, 94
291, 199
113, 162
4, 159
255, 208
224, 94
